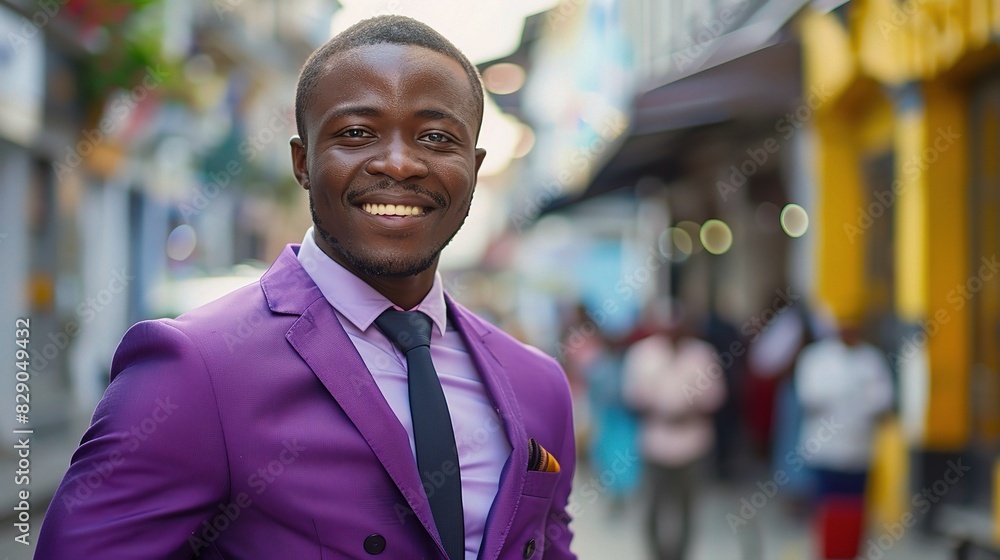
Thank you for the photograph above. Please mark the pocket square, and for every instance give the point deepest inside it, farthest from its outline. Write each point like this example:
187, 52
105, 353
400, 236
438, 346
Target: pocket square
539, 459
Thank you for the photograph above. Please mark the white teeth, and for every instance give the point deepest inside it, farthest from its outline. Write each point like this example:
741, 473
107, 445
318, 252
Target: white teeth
392, 209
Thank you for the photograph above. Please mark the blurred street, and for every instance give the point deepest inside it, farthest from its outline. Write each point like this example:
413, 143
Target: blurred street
604, 532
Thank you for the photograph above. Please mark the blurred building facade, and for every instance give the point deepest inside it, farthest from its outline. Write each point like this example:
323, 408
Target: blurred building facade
128, 127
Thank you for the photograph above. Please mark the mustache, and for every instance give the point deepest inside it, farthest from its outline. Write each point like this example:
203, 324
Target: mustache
388, 184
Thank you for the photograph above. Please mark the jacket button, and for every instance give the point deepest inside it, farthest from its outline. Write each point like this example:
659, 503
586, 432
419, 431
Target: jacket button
529, 548
375, 544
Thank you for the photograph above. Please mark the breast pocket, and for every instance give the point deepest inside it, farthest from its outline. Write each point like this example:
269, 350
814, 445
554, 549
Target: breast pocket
540, 484
533, 522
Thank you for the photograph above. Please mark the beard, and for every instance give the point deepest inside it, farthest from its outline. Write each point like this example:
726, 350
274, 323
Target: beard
368, 263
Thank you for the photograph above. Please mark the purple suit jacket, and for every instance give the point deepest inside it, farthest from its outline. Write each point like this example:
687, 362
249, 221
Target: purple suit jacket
250, 428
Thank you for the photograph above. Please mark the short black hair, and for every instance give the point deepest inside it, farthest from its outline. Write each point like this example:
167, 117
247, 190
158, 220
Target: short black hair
392, 29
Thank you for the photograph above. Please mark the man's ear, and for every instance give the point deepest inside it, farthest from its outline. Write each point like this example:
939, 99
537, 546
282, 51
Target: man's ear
480, 155
299, 167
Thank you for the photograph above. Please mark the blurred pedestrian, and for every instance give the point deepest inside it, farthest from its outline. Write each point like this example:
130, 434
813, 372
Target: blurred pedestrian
844, 385
728, 343
772, 348
674, 381
607, 427
614, 434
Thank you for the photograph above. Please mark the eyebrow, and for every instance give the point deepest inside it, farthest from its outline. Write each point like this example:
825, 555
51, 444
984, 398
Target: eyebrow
434, 114
351, 111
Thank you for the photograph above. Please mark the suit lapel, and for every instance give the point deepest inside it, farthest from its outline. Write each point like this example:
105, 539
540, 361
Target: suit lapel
322, 343
501, 515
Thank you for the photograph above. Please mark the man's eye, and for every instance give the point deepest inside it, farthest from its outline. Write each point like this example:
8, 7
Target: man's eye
355, 133
437, 137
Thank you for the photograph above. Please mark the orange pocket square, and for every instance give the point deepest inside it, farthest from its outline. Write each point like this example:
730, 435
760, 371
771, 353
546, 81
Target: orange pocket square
539, 459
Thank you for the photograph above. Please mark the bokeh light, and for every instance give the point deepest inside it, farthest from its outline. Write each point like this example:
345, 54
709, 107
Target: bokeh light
526, 143
794, 220
181, 242
676, 244
503, 78
693, 230
716, 236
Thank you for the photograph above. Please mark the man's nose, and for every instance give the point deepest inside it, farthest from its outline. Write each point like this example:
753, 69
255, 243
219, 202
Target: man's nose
399, 160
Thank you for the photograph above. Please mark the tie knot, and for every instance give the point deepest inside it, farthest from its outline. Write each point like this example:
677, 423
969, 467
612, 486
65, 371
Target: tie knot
406, 329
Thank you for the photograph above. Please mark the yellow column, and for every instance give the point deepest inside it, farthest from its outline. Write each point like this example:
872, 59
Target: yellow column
841, 234
932, 254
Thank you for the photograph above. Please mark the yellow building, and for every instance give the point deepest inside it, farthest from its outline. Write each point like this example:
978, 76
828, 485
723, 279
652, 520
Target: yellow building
907, 167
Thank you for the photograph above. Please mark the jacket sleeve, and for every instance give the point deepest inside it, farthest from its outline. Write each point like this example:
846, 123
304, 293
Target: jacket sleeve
152, 466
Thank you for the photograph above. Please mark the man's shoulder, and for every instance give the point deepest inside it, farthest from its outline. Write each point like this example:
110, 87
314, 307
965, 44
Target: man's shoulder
284, 289
503, 342
531, 372
239, 311
246, 305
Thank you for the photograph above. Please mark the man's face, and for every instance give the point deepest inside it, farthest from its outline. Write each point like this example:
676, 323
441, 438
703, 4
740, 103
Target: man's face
389, 160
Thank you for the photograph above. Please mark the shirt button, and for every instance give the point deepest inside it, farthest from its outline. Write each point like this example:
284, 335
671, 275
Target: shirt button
375, 544
529, 548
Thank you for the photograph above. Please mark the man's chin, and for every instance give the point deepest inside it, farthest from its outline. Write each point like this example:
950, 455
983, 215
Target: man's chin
392, 267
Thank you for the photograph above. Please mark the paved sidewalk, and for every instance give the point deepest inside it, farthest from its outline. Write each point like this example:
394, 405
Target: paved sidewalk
602, 533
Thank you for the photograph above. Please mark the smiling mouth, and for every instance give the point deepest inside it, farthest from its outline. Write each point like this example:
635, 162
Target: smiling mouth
392, 209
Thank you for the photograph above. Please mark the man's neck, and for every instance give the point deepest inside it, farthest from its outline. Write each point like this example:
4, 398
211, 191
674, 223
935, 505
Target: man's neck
405, 293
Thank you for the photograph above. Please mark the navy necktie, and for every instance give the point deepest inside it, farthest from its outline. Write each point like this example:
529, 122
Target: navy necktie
433, 435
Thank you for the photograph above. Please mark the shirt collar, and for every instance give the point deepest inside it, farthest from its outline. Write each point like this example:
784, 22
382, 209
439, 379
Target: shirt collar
357, 301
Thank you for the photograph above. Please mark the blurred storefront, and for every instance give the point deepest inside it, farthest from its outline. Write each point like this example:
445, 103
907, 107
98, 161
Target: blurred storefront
907, 201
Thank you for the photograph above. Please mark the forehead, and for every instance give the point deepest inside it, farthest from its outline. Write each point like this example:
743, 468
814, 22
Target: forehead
396, 77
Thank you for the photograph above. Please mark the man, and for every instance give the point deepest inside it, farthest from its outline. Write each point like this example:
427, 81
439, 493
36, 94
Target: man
298, 442
668, 380
845, 387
